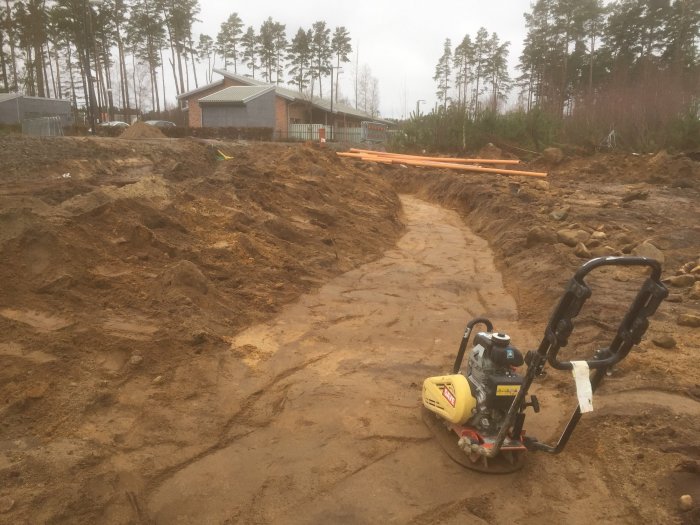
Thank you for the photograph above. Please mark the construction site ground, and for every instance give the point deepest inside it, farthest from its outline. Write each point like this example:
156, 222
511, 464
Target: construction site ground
192, 340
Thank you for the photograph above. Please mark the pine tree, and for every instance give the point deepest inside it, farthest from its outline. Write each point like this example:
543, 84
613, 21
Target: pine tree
280, 46
266, 48
206, 51
341, 48
146, 32
481, 57
321, 54
497, 70
462, 63
249, 44
299, 57
228, 40
443, 71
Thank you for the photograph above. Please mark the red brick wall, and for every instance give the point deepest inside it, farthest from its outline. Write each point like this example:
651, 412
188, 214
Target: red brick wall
298, 113
281, 116
284, 110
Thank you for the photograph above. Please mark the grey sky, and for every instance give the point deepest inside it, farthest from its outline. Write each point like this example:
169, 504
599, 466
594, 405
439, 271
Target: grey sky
401, 41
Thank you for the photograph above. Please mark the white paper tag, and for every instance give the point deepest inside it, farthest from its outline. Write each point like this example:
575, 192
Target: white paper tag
584, 391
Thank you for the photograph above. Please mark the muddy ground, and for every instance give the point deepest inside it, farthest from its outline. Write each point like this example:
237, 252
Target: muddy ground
191, 340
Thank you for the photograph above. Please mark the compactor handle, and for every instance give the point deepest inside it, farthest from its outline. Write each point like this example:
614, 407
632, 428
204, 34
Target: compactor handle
591, 265
465, 340
632, 327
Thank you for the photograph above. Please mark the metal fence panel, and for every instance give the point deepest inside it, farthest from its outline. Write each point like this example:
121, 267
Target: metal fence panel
43, 127
305, 132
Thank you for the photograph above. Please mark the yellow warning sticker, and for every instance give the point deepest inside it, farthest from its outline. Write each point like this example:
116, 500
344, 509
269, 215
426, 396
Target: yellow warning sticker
507, 390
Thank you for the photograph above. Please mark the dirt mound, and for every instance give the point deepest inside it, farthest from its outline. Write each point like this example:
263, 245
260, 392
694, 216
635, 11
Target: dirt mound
144, 256
140, 130
491, 151
663, 169
128, 281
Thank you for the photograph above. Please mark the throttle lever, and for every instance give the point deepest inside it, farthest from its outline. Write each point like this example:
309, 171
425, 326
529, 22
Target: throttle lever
534, 403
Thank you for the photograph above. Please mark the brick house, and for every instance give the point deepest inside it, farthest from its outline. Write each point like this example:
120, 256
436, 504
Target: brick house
240, 101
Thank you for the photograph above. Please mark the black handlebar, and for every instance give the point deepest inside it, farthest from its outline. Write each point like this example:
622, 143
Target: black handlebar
465, 340
632, 327
591, 265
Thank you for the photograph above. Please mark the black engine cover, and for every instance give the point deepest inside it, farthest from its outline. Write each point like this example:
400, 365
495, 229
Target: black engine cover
501, 390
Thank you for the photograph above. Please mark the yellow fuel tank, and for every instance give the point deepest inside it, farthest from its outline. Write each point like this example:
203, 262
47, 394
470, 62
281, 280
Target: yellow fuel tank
450, 397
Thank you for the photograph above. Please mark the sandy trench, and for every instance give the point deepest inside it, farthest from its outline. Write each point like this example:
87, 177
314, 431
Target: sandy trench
126, 397
328, 427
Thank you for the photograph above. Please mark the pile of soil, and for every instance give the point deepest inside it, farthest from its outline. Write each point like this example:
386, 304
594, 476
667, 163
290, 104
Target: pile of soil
130, 269
119, 264
140, 130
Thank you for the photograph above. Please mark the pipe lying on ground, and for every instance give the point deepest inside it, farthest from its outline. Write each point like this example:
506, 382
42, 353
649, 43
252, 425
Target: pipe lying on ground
443, 165
435, 159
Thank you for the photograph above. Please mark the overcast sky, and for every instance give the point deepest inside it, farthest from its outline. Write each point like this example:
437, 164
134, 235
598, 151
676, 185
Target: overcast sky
400, 40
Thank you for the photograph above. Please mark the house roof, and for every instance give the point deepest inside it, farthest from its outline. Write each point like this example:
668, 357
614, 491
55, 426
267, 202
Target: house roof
4, 97
200, 89
236, 94
8, 96
245, 79
296, 96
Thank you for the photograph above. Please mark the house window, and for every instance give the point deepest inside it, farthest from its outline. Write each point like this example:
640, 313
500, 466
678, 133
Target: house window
184, 104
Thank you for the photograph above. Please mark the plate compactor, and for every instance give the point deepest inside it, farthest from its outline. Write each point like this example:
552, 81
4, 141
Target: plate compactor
478, 416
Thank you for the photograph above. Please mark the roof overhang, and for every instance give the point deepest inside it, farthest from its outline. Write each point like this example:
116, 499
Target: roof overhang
213, 98
199, 90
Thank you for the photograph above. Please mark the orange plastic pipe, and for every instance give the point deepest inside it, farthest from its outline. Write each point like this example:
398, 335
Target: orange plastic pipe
435, 159
445, 165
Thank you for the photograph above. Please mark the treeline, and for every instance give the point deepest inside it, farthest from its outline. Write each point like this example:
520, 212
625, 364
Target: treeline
588, 68
476, 68
131, 47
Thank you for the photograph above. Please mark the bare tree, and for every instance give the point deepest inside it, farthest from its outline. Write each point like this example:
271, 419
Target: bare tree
367, 98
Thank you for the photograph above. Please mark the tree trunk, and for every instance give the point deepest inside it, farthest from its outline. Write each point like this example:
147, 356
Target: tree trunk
3, 66
133, 78
357, 72
179, 69
162, 76
187, 71
155, 79
84, 82
476, 93
194, 64
13, 54
124, 80
320, 81
337, 76
590, 69
172, 61
56, 92
29, 82
564, 80
100, 82
172, 66
74, 97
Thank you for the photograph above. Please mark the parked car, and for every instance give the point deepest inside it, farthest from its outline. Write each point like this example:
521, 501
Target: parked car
161, 123
113, 124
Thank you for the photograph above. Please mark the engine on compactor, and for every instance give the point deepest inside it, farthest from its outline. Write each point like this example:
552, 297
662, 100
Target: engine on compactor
492, 379
478, 414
